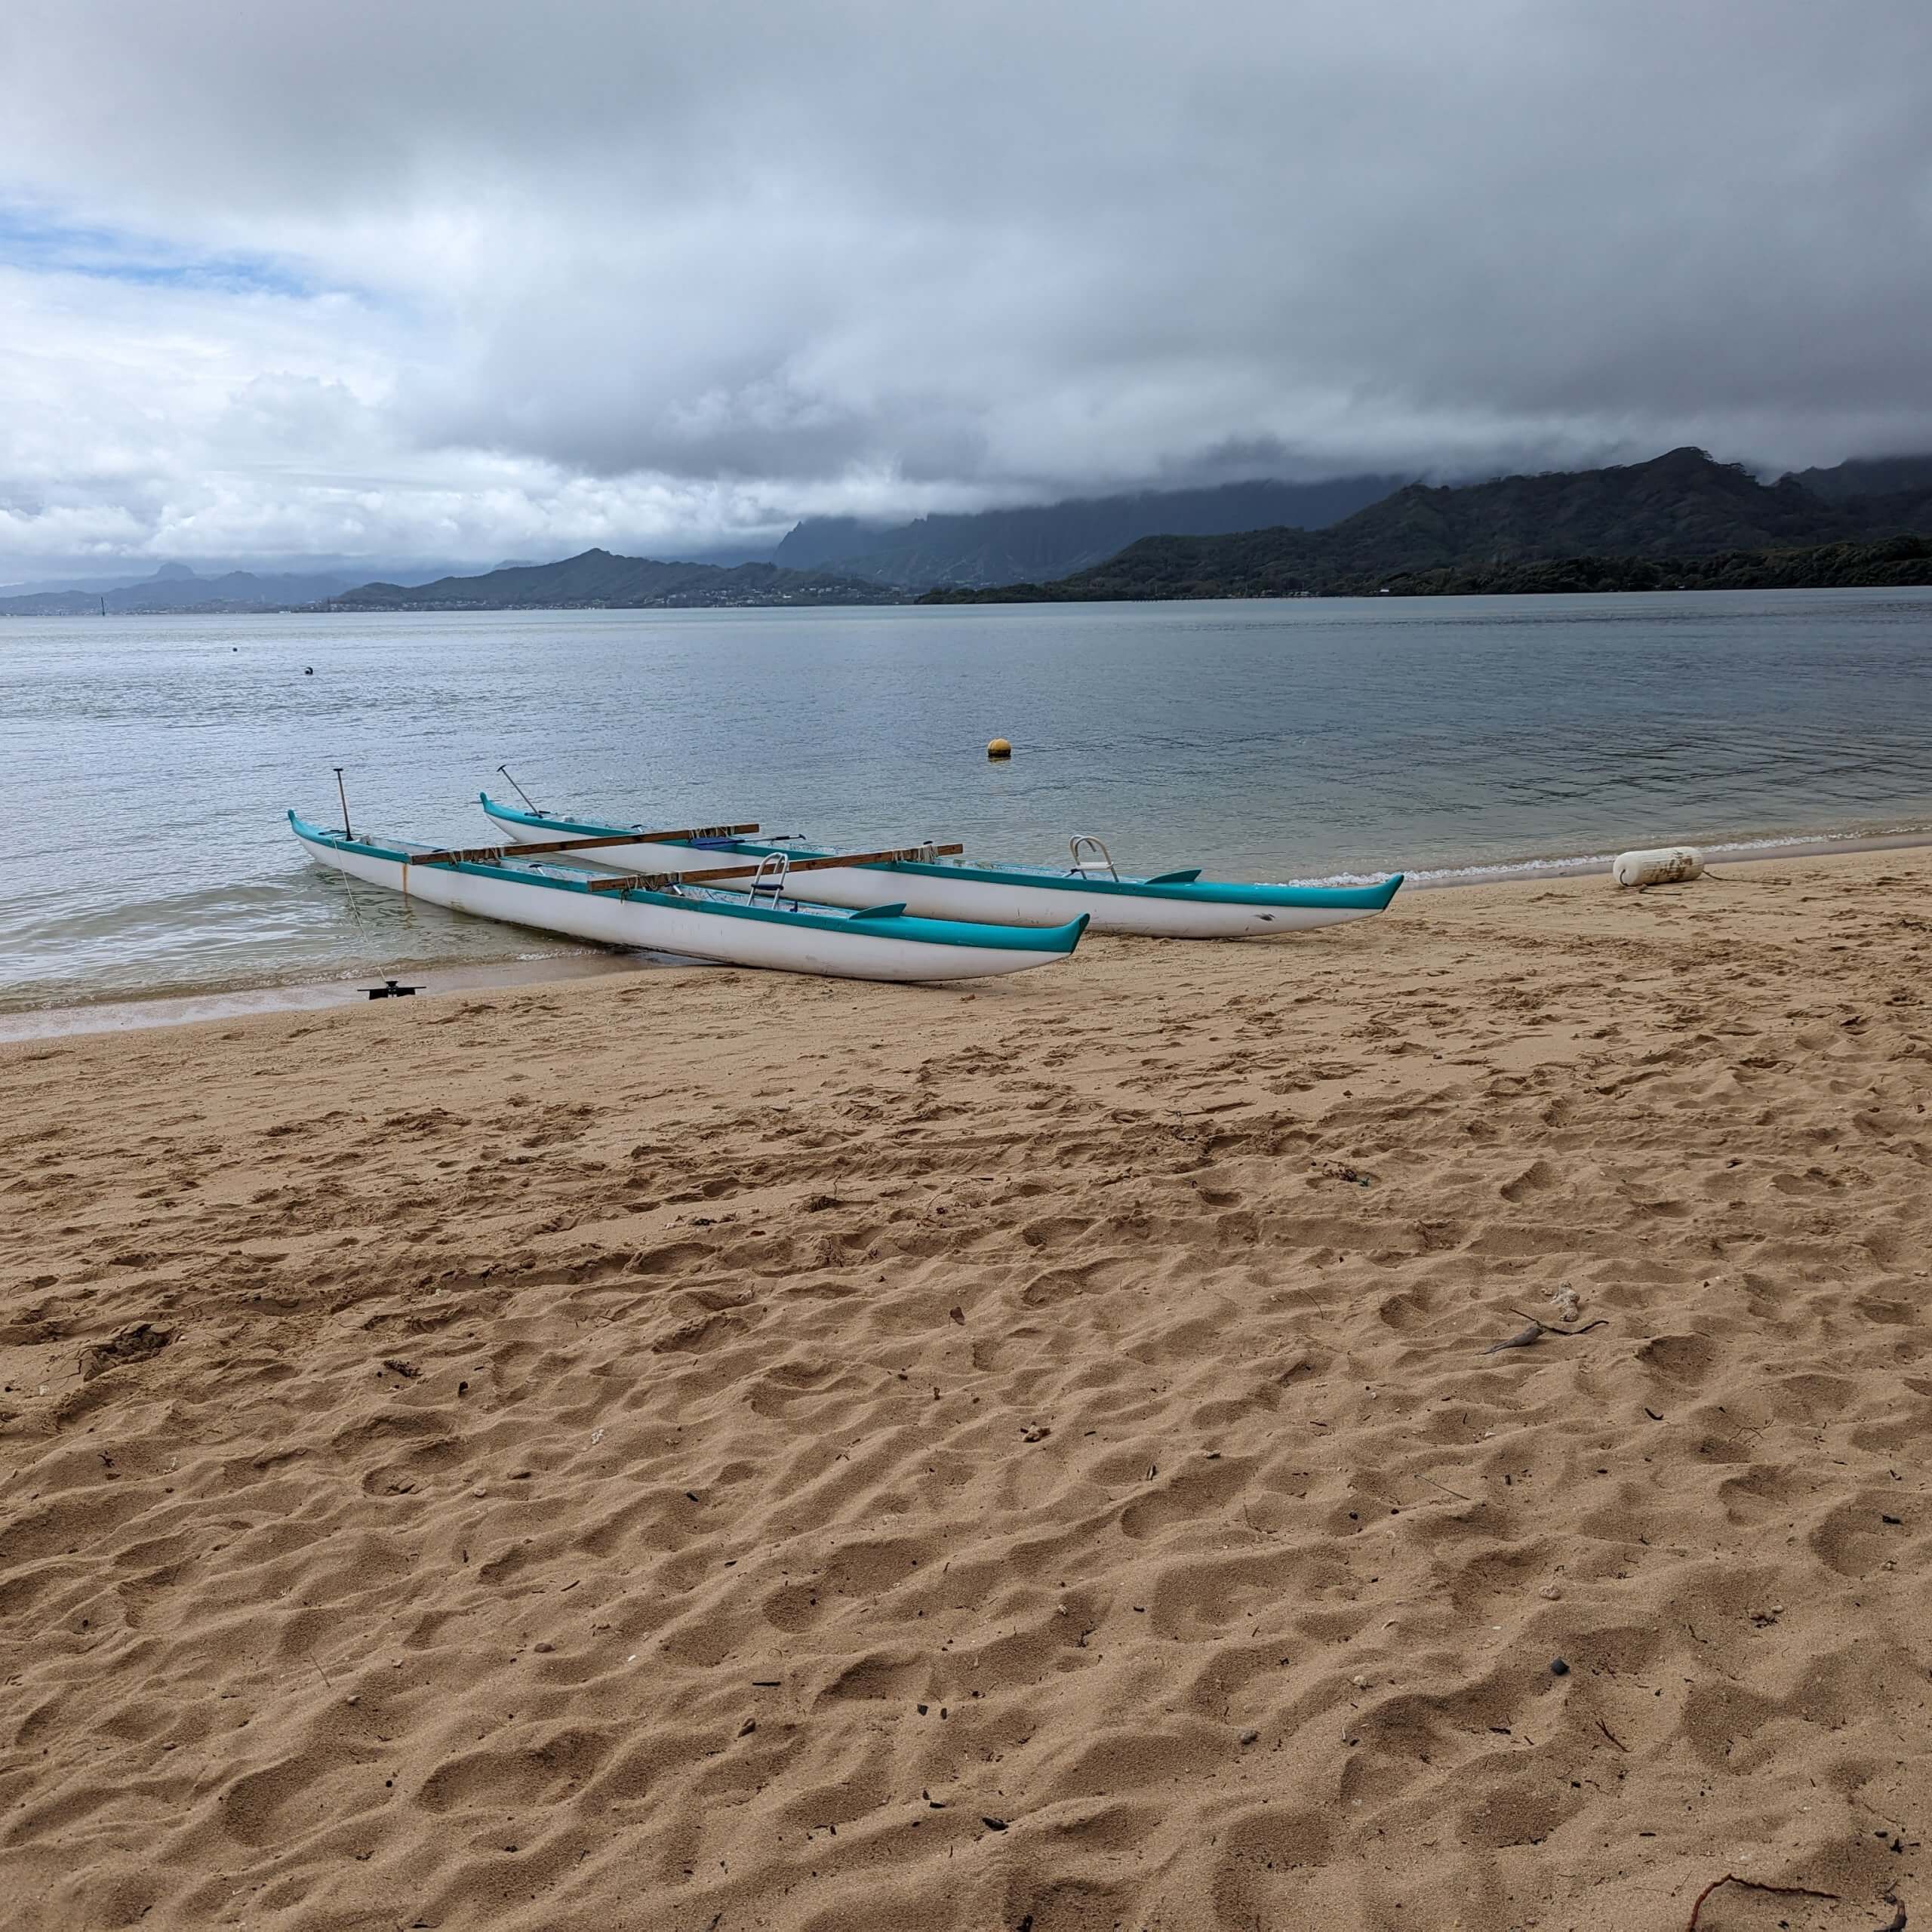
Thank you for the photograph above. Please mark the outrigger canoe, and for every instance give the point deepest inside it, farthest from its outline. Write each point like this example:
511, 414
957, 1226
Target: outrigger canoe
671, 915
1177, 905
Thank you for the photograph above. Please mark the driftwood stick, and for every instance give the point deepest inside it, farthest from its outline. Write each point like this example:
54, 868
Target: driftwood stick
1550, 1327
1538, 1329
1752, 1885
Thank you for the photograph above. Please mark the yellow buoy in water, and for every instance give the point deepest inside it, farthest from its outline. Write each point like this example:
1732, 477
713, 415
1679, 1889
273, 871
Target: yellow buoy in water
999, 748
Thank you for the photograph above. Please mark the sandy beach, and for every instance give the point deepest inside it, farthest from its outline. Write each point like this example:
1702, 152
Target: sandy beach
707, 1451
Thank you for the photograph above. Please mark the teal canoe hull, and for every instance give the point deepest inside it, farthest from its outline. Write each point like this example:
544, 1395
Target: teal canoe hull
1175, 905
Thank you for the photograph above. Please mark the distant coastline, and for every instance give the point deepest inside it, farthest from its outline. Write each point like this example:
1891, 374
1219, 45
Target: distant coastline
1899, 562
1681, 522
599, 580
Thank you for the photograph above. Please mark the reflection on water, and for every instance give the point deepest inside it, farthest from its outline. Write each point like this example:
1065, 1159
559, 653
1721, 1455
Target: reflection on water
146, 763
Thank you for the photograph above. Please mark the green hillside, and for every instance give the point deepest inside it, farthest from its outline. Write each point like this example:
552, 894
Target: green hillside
596, 580
1678, 506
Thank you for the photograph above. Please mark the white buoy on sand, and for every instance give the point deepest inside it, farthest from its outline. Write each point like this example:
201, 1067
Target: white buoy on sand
1666, 864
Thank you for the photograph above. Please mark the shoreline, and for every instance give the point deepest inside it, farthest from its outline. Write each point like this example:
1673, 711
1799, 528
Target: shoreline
1740, 851
123, 1014
133, 1016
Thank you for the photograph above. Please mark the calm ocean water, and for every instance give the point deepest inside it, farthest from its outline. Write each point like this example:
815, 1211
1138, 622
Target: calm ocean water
146, 763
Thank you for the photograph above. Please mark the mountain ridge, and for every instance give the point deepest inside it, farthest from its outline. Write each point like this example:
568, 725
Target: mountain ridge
1866, 476
599, 579
1513, 533
984, 547
176, 587
1682, 504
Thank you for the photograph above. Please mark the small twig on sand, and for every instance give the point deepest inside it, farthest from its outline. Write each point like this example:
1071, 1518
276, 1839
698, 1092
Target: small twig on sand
1612, 1736
1537, 1329
1897, 1922
1445, 1488
1550, 1327
1752, 1885
321, 1673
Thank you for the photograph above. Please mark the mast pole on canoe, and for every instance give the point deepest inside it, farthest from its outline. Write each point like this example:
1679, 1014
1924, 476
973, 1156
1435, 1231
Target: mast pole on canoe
519, 791
342, 793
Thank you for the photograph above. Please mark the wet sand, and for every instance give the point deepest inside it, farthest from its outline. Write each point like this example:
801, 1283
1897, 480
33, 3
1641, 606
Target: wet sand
709, 1451
230, 1003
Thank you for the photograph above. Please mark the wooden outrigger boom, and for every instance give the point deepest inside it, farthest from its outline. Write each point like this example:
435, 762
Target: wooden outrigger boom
491, 855
657, 881
494, 855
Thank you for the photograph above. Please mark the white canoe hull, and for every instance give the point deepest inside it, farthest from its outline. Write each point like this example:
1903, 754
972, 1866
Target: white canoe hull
1006, 899
1000, 903
729, 937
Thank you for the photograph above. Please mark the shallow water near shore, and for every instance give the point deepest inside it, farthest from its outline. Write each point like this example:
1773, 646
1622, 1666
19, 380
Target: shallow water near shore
146, 764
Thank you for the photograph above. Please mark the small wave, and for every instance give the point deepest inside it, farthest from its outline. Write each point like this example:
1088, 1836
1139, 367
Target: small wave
1574, 863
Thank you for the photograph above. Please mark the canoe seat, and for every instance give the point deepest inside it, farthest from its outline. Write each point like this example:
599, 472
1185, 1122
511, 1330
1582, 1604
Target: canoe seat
1090, 855
768, 882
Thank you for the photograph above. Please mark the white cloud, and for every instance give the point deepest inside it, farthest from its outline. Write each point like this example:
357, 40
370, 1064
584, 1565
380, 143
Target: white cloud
489, 279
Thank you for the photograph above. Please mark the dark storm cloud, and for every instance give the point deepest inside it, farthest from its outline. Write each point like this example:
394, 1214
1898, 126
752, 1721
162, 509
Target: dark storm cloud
700, 266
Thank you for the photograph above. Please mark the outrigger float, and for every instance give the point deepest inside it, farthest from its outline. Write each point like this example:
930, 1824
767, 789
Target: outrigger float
1176, 905
668, 910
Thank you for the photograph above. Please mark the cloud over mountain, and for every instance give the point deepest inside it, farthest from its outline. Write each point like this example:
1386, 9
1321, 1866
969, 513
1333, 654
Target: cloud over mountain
487, 278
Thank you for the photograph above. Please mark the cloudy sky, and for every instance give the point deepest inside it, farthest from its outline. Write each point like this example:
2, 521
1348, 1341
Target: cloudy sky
412, 278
